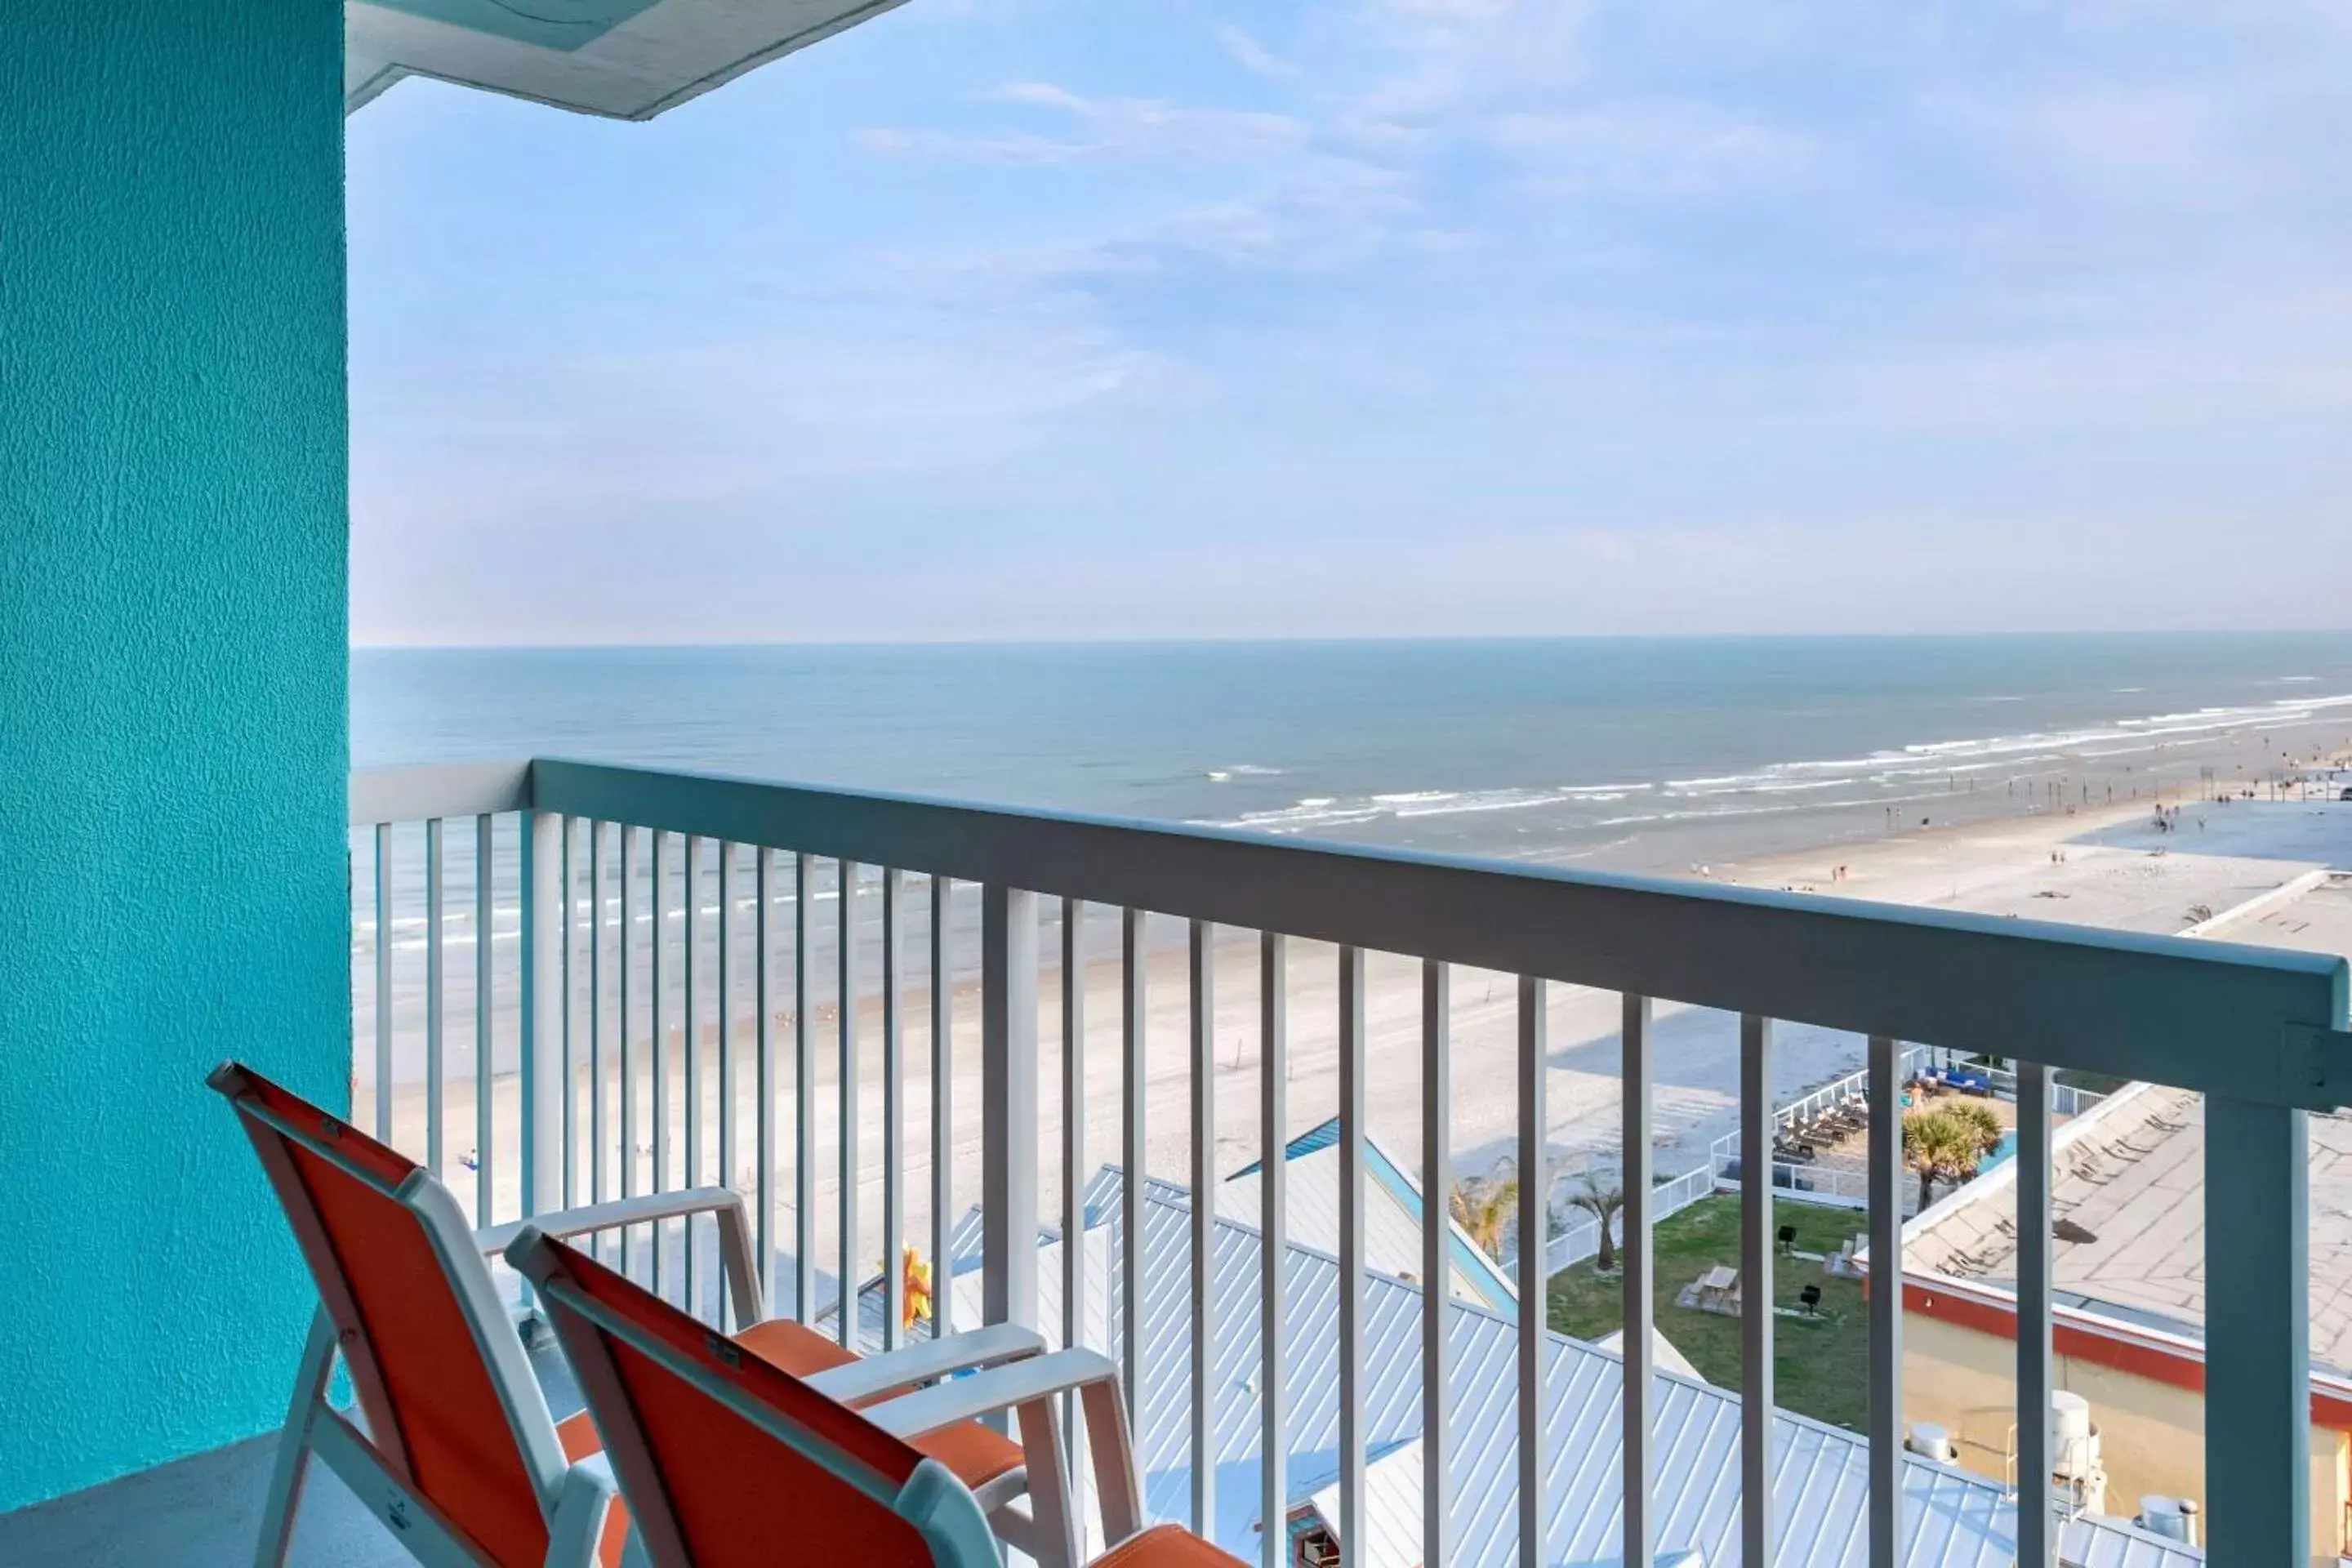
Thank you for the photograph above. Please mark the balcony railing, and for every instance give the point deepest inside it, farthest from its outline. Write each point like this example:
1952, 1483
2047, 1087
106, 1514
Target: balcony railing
675, 938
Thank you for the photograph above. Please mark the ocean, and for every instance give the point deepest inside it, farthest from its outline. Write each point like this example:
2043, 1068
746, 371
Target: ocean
1644, 754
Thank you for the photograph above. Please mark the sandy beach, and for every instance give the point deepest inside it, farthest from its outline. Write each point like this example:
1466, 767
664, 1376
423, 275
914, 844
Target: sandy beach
2101, 865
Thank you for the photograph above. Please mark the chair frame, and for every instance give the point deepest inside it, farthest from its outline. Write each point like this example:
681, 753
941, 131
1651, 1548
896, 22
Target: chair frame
573, 1497
932, 1500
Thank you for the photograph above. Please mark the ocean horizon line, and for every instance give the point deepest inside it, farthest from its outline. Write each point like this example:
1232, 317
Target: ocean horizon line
1469, 639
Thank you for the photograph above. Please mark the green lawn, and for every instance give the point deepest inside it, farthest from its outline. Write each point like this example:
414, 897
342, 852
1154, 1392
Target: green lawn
1821, 1368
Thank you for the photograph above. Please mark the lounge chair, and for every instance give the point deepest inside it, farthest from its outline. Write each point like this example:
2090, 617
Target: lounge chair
729, 1461
458, 1452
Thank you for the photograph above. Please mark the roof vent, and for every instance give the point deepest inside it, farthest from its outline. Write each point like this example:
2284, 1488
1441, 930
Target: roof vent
2174, 1518
1930, 1441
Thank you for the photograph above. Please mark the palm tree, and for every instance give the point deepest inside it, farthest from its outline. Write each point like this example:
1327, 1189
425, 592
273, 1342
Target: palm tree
1484, 1206
1984, 1123
1602, 1200
1940, 1147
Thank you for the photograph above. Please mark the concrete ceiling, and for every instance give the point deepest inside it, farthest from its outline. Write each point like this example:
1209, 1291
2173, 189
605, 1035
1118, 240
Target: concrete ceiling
626, 59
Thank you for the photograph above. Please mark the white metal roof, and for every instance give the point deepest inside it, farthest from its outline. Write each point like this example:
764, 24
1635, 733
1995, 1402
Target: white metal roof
627, 59
1391, 1215
1664, 1355
1392, 1505
2130, 1180
1954, 1518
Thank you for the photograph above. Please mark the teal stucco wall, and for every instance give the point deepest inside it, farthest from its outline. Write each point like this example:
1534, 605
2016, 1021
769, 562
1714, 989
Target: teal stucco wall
172, 738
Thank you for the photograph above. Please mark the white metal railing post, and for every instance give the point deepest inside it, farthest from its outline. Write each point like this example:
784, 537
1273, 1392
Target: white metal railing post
1436, 1254
763, 1076
383, 983
437, 1107
2037, 1539
485, 1039
543, 1086
1274, 1123
731, 1171
1534, 1206
690, 1038
1755, 1227
805, 1273
1885, 1188
942, 1111
1353, 1004
1202, 966
1008, 1052
894, 1114
1134, 1100
2257, 1334
657, 1000
567, 1096
1640, 1285
626, 1024
1074, 1157
596, 1017
845, 1017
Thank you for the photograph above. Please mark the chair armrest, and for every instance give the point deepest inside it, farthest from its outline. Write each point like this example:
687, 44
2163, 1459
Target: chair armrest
564, 1224
1030, 1386
926, 1362
583, 1504
985, 1392
725, 1202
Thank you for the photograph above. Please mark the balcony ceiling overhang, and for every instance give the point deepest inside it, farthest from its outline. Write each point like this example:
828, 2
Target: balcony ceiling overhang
626, 59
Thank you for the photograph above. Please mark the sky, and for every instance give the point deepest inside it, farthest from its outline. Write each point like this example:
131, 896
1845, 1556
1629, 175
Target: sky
1059, 319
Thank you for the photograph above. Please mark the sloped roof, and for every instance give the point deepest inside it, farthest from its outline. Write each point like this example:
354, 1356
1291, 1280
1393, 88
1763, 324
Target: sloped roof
2129, 1183
1954, 1518
626, 59
1663, 1353
1391, 1215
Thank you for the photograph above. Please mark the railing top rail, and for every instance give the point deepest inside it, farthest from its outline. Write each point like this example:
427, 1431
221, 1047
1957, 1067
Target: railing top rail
2252, 1023
453, 789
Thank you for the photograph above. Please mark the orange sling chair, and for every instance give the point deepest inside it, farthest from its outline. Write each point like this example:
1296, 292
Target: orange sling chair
457, 1451
729, 1461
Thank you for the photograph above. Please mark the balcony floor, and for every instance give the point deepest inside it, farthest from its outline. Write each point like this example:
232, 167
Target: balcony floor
199, 1512
204, 1512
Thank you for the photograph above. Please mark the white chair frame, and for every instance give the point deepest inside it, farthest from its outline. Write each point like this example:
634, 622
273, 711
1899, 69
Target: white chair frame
953, 1521
573, 1498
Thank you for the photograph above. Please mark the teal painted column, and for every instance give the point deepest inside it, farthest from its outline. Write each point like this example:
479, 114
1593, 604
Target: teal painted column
173, 737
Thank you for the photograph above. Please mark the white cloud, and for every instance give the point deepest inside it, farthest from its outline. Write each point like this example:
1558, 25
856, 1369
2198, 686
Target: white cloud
1482, 314
834, 388
1318, 213
1451, 57
1663, 148
1248, 53
1110, 130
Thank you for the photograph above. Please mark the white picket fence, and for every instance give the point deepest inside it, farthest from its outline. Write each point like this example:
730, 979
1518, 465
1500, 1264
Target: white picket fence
1581, 1239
